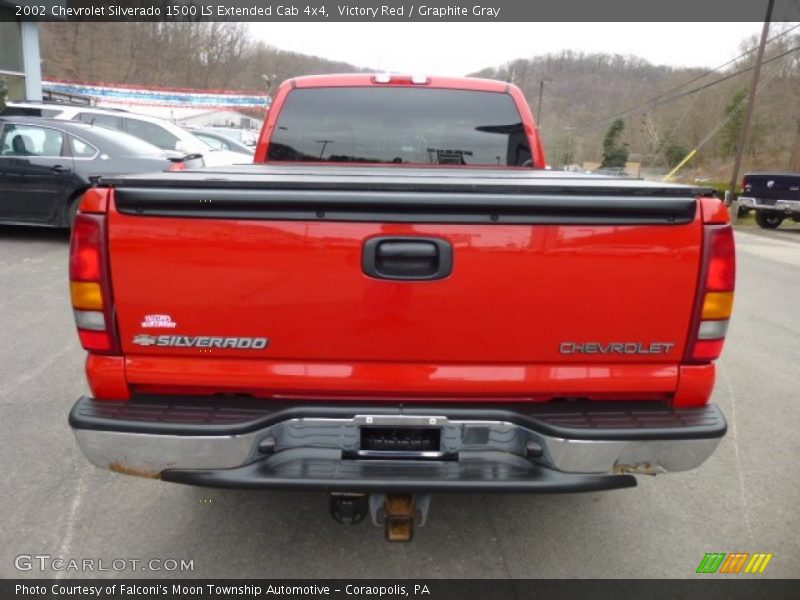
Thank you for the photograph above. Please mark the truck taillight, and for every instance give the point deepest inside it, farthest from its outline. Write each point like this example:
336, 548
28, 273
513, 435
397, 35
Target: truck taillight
90, 284
715, 301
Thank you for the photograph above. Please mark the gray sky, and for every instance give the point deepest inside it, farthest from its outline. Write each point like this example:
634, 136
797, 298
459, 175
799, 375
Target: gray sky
460, 48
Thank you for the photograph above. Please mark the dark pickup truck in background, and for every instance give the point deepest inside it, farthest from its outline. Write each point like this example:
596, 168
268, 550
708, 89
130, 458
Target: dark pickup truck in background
774, 196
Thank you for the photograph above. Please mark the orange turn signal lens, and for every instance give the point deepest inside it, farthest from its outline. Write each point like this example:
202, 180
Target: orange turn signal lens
717, 305
86, 295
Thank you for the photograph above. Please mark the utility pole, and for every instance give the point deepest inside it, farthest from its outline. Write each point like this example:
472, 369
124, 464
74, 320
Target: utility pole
268, 81
539, 105
750, 101
794, 159
324, 145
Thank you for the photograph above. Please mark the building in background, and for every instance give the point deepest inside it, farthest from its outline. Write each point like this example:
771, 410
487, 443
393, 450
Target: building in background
222, 118
199, 108
20, 61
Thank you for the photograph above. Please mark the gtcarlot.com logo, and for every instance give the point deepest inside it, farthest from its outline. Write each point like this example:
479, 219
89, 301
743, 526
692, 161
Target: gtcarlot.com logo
47, 562
733, 563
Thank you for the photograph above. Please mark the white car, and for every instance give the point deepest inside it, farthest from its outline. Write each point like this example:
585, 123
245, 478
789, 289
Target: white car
159, 132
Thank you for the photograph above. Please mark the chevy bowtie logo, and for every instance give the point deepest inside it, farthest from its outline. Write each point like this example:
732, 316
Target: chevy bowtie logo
736, 562
144, 340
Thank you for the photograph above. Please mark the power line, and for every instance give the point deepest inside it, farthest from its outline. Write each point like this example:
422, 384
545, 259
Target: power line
699, 77
650, 104
723, 65
724, 121
688, 108
657, 100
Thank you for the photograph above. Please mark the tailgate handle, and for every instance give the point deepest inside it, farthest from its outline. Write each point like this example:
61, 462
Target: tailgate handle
407, 258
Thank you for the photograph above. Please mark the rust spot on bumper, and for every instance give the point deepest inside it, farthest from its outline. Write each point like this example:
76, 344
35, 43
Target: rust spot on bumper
120, 467
638, 469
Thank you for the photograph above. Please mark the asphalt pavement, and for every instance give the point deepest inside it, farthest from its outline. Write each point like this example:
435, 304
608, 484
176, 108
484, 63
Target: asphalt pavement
744, 499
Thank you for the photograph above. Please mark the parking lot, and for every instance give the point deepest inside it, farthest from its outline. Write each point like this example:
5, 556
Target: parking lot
744, 499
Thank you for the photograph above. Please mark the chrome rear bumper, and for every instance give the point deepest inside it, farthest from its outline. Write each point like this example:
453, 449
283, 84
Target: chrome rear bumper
510, 448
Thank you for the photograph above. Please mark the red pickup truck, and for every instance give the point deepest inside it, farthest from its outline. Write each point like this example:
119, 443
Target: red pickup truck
399, 300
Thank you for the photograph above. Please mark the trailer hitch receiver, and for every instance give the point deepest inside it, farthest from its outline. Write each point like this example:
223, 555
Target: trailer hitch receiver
348, 509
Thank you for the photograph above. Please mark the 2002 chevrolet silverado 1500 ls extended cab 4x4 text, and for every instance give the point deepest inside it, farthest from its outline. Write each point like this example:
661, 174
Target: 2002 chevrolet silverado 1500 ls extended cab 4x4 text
400, 300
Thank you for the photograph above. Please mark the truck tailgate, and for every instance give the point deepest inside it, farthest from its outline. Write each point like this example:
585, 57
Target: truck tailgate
544, 285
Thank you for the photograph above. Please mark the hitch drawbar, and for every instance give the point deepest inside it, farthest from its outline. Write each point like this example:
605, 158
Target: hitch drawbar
397, 513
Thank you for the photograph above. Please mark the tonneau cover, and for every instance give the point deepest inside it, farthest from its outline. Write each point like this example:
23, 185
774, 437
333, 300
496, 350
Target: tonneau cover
379, 178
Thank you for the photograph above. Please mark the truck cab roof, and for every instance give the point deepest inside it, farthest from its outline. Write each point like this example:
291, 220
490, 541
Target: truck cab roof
388, 79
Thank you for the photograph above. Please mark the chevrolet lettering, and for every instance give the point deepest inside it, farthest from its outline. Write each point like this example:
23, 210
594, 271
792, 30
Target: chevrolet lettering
616, 348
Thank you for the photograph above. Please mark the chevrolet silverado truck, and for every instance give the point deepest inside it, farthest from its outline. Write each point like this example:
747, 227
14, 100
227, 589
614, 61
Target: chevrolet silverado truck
774, 196
397, 300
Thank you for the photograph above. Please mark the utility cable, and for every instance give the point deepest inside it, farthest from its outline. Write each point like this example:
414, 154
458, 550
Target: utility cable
660, 99
725, 120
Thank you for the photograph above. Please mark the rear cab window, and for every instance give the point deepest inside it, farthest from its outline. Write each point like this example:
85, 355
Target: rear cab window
398, 125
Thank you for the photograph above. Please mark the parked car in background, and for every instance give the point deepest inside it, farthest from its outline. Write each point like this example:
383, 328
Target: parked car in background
774, 196
46, 165
218, 141
237, 134
158, 132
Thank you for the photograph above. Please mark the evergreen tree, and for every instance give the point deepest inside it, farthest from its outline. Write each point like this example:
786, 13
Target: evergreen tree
615, 154
675, 153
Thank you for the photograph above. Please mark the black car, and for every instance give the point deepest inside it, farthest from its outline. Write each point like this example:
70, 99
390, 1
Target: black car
46, 165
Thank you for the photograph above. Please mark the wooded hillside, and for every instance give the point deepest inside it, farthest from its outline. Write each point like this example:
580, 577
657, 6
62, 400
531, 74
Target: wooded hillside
192, 55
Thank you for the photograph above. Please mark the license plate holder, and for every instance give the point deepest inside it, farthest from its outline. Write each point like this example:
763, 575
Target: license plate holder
408, 438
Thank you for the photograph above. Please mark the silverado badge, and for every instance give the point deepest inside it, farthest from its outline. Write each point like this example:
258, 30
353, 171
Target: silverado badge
201, 341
